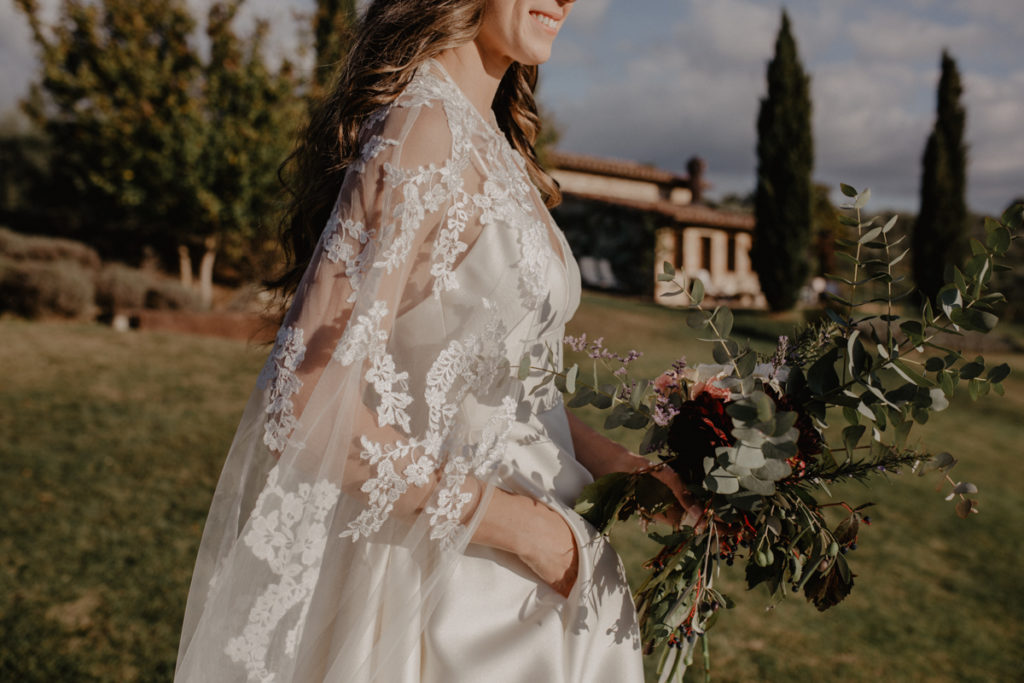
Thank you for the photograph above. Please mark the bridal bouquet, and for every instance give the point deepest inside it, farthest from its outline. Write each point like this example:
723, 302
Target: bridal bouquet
761, 441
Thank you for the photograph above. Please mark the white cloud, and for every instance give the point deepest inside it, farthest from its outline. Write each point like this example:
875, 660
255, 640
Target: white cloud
738, 31
884, 34
587, 14
1007, 13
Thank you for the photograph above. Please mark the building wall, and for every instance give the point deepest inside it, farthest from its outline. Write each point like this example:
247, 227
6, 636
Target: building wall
702, 252
623, 188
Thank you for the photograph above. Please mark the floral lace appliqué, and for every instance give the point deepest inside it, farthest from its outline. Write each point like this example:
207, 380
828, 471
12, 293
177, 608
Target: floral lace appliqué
340, 247
288, 531
279, 375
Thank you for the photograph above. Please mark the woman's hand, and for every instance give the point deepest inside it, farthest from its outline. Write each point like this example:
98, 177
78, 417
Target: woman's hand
551, 552
689, 512
534, 533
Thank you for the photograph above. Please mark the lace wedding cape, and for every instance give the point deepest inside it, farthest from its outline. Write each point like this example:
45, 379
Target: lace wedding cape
379, 425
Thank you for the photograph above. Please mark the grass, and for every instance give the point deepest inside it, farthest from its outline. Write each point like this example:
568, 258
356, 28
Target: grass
112, 443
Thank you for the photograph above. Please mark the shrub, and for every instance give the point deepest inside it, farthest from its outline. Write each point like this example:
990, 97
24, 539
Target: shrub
47, 288
19, 247
169, 294
120, 287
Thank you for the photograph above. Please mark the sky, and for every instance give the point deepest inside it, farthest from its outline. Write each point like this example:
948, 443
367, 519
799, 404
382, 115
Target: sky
660, 81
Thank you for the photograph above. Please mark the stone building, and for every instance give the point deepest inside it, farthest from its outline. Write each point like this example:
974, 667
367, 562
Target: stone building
702, 241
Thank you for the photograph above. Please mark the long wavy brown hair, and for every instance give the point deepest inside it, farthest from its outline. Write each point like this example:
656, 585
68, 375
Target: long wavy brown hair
392, 40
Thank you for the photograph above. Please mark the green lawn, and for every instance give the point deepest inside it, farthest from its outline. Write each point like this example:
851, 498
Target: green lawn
111, 445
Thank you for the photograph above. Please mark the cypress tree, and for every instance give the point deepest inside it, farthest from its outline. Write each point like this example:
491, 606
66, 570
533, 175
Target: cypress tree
939, 238
785, 157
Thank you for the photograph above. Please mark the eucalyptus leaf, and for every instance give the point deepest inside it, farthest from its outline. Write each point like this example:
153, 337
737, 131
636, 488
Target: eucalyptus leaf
697, 319
743, 410
603, 399
949, 298
765, 406
760, 486
870, 235
965, 507
942, 462
746, 500
697, 292
583, 397
720, 481
851, 415
784, 421
746, 364
907, 372
748, 457
972, 369
723, 320
847, 190
998, 240
851, 435
721, 354
862, 199
856, 356
999, 373
822, 377
947, 384
570, 378
773, 470
779, 450
965, 487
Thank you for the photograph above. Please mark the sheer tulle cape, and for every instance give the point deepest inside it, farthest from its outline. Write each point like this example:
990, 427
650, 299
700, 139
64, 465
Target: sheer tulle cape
377, 429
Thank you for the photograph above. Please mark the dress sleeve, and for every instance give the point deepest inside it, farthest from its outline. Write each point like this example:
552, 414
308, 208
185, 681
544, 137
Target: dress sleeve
367, 449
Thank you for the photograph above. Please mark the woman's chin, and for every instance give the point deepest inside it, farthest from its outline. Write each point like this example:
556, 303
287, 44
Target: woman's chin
536, 57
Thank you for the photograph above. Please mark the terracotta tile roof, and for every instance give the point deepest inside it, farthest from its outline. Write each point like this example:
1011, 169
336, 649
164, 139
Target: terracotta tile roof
617, 168
689, 214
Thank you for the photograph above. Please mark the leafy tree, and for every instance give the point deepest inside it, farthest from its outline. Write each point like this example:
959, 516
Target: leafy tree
250, 113
939, 238
153, 144
333, 29
24, 169
785, 153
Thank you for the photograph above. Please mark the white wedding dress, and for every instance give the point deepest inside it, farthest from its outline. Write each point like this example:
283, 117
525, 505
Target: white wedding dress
337, 545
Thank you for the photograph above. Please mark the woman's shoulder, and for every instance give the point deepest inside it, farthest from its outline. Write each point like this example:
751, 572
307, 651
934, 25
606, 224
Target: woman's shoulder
430, 86
426, 126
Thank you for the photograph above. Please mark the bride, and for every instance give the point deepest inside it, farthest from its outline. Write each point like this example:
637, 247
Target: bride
397, 502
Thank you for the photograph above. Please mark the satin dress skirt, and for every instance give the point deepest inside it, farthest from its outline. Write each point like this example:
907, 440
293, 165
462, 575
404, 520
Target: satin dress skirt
498, 623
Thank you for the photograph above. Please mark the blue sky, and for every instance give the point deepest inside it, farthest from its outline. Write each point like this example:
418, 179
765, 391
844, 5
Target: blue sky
663, 80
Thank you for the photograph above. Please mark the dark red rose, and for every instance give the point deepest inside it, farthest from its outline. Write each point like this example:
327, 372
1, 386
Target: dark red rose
701, 426
809, 443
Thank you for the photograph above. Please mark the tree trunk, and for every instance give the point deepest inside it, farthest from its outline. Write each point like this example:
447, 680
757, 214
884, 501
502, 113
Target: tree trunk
206, 272
185, 266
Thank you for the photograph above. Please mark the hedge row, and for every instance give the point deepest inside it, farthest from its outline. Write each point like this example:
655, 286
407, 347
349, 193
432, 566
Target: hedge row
42, 277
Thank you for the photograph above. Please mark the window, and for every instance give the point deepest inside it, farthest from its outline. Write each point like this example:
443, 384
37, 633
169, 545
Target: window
678, 255
730, 255
705, 253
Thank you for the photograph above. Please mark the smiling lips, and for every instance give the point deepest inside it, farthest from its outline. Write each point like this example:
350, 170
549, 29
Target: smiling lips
545, 20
